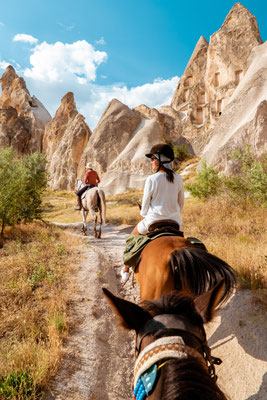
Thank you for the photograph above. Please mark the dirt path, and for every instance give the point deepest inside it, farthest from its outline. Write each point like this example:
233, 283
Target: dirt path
98, 363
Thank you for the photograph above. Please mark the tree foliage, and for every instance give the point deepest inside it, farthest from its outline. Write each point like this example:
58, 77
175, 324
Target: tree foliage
249, 184
22, 183
181, 152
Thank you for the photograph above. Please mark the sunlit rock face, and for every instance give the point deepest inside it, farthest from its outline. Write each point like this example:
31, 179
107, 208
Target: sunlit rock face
30, 113
13, 132
65, 139
244, 119
118, 146
213, 73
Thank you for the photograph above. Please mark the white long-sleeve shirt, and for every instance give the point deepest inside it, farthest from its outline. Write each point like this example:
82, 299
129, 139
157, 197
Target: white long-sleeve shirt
163, 199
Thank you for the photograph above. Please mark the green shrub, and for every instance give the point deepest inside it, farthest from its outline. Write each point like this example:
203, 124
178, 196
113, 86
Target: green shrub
207, 183
181, 152
16, 385
22, 183
249, 184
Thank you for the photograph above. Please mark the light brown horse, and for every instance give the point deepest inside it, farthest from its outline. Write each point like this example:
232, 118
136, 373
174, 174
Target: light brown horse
93, 201
172, 262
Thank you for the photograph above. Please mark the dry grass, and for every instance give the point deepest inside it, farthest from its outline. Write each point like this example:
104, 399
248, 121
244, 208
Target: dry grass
121, 208
234, 232
35, 265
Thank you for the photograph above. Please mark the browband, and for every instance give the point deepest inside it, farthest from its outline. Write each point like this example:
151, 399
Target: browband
168, 321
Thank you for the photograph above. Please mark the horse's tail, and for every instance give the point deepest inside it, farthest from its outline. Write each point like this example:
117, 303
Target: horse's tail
198, 271
102, 198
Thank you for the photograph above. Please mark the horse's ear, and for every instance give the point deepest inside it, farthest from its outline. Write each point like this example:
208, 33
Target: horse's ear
206, 303
131, 315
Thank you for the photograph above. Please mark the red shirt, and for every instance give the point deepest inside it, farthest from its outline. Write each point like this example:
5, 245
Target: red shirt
91, 178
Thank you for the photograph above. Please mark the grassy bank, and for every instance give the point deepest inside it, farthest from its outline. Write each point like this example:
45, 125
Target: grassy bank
36, 263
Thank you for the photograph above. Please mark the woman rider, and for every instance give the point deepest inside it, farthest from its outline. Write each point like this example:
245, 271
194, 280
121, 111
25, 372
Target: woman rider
163, 196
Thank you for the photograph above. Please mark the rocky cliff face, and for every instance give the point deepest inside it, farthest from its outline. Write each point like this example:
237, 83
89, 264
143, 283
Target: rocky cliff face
28, 112
213, 73
65, 138
118, 144
244, 119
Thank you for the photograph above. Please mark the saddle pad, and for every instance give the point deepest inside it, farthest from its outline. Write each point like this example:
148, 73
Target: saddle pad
135, 244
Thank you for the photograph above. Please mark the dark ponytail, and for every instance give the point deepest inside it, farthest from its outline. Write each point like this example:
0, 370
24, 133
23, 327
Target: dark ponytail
169, 174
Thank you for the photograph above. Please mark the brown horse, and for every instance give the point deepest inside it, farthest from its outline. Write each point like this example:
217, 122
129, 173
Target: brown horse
171, 344
172, 262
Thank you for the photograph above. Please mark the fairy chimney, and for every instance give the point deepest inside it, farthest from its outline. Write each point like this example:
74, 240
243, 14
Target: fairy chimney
29, 110
213, 73
65, 138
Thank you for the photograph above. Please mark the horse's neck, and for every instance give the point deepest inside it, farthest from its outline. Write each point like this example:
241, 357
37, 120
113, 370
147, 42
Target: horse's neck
80, 184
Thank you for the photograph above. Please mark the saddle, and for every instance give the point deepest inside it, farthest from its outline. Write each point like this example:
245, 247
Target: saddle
135, 244
167, 226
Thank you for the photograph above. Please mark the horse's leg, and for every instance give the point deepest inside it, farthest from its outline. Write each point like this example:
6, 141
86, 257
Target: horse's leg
100, 222
84, 228
95, 231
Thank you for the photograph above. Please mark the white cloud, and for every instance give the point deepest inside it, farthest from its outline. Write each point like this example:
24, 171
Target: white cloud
66, 27
101, 41
22, 37
155, 94
62, 67
63, 61
2, 24
4, 64
92, 100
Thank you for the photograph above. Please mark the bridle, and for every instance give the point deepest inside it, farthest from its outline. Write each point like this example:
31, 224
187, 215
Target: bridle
172, 347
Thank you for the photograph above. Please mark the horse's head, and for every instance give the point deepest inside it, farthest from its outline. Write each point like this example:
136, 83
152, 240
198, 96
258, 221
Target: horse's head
170, 331
78, 184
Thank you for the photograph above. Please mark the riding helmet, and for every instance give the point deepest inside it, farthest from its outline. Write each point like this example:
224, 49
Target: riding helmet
163, 149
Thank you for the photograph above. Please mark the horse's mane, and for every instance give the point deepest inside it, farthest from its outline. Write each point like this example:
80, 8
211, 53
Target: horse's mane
198, 271
188, 379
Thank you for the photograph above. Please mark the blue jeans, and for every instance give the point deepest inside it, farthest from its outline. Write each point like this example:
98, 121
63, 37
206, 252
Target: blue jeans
83, 189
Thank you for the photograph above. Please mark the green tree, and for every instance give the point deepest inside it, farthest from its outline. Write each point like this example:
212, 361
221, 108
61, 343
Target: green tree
251, 182
207, 183
22, 183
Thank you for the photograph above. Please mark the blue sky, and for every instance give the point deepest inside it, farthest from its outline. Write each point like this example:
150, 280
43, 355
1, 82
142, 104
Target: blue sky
99, 49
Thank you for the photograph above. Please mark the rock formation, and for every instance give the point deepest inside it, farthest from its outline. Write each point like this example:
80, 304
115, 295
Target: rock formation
212, 74
65, 138
118, 144
244, 119
13, 131
28, 112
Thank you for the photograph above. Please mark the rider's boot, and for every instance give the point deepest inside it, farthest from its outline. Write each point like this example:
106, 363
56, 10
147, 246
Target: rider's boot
79, 204
125, 273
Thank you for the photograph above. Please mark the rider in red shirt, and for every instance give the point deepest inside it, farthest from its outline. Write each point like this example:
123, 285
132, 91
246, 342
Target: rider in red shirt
91, 180
91, 177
